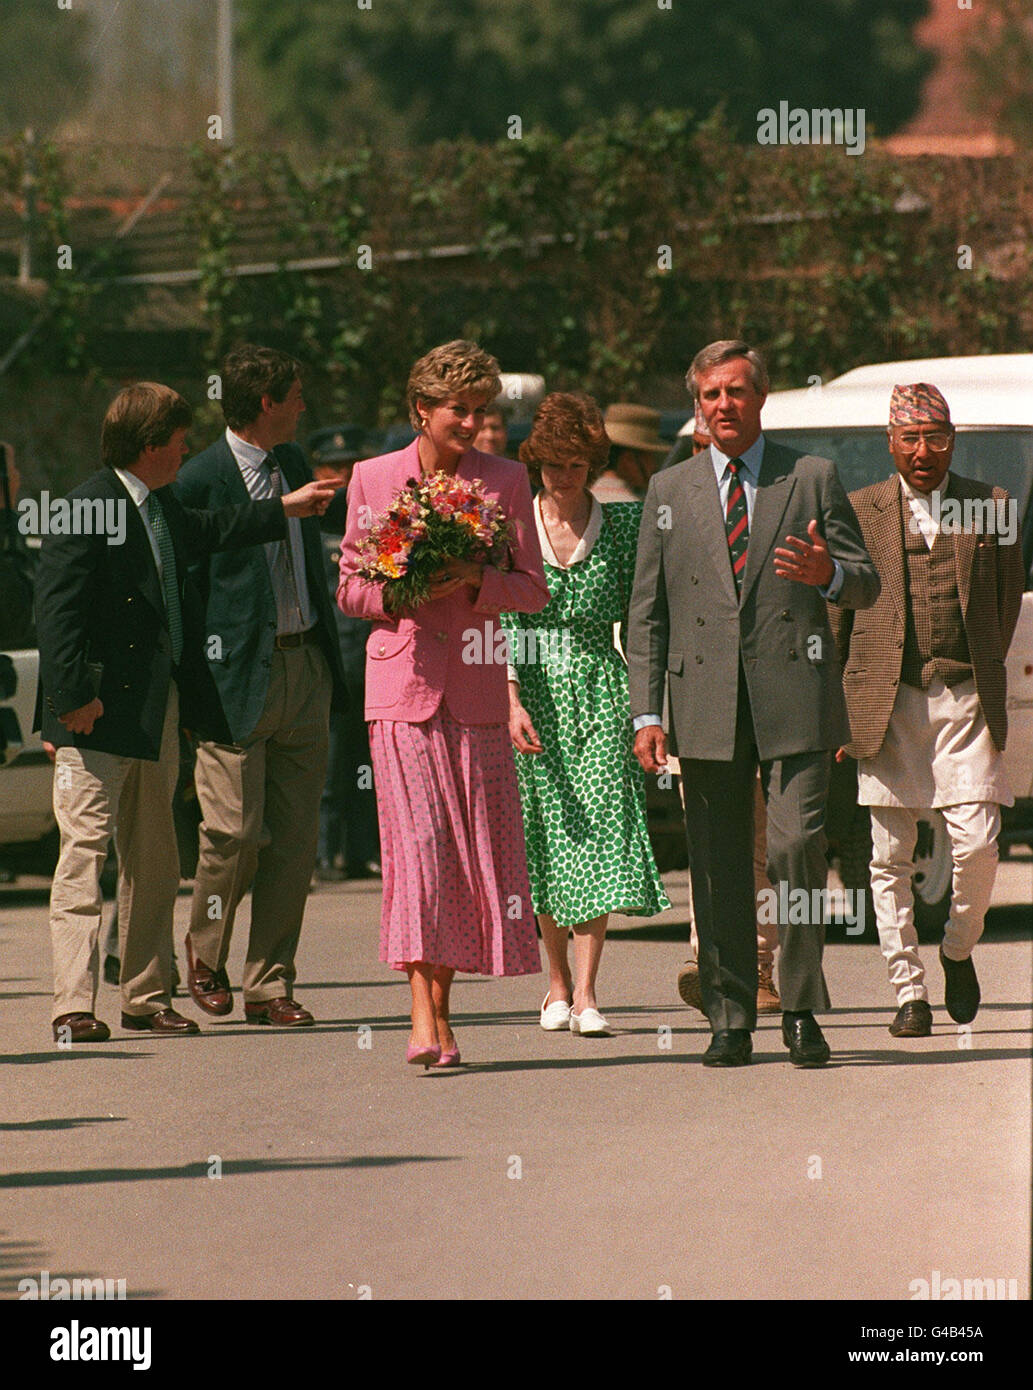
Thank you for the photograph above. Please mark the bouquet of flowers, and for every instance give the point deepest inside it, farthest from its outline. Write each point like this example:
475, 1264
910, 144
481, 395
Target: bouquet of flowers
430, 522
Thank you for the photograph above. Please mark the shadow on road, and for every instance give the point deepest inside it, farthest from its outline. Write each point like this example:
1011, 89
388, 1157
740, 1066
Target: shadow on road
230, 1167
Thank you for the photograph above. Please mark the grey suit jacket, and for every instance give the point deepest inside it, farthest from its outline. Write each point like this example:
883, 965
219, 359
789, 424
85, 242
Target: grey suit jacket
688, 627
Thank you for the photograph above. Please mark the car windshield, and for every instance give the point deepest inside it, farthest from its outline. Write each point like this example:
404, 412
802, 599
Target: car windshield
1000, 456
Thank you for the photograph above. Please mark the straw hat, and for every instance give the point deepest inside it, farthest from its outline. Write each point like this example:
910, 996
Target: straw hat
634, 427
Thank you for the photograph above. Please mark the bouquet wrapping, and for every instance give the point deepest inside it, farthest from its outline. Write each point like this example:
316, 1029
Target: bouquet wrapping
430, 522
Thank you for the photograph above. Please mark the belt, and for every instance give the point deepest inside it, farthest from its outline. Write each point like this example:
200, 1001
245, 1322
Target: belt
284, 640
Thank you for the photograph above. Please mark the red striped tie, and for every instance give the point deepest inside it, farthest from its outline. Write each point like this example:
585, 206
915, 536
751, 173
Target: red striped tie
737, 523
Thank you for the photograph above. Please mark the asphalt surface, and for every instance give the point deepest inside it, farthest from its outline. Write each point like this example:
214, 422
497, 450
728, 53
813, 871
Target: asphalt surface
313, 1163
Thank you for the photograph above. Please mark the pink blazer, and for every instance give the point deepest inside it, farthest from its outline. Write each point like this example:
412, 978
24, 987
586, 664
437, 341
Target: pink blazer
451, 648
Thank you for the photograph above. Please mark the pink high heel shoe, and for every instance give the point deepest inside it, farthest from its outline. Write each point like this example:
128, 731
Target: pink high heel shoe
449, 1058
422, 1056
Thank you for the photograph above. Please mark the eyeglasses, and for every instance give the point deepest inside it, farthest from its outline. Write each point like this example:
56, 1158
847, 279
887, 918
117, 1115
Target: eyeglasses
939, 442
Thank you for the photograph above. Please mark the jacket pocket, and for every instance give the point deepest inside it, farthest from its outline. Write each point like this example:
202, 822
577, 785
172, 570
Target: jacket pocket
384, 644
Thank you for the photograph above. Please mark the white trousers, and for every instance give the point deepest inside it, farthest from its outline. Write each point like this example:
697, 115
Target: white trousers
973, 828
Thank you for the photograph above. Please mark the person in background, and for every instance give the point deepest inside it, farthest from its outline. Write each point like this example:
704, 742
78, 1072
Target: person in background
349, 845
491, 437
456, 895
17, 563
925, 684
583, 794
635, 453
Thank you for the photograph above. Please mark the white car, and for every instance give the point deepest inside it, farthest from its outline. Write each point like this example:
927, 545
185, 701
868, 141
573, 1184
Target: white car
28, 832
991, 404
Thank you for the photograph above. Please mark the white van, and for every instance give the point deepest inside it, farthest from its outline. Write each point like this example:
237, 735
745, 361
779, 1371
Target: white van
991, 404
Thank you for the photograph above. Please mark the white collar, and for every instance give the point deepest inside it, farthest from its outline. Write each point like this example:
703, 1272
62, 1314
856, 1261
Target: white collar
584, 546
136, 487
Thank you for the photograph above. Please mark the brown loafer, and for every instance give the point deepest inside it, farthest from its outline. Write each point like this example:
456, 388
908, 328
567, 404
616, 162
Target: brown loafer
80, 1028
768, 1001
283, 1013
689, 986
209, 989
165, 1021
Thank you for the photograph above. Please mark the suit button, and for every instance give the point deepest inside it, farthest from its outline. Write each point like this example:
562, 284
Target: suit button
899, 645
125, 687
381, 651
693, 579
786, 616
792, 653
441, 636
701, 622
699, 661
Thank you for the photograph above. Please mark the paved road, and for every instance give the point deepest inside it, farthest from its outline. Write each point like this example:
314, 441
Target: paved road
549, 1166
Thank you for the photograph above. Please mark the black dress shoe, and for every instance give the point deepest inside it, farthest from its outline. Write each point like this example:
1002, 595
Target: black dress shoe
804, 1039
165, 1021
913, 1020
961, 993
730, 1047
80, 1027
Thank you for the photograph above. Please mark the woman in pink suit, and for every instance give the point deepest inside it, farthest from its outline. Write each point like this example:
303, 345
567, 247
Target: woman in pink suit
456, 894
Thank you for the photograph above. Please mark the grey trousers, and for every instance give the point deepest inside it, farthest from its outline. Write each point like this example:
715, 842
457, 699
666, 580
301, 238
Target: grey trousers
719, 824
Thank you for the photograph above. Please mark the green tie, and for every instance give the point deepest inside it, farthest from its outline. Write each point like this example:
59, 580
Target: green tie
169, 582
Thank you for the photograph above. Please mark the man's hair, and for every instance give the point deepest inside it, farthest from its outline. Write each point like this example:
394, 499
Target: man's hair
147, 413
568, 428
248, 374
448, 370
723, 351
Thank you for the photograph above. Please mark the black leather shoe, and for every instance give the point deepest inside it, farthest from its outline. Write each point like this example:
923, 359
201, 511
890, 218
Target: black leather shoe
913, 1020
165, 1021
961, 994
730, 1047
80, 1027
804, 1039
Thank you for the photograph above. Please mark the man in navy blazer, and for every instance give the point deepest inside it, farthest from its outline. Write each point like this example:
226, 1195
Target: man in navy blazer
272, 654
120, 628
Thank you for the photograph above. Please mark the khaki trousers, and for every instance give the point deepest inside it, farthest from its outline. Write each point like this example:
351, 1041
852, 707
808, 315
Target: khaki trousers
97, 795
260, 808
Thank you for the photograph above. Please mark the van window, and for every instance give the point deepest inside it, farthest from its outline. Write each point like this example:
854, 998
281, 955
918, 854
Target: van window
1003, 457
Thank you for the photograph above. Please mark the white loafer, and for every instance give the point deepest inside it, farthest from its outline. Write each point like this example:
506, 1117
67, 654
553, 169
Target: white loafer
554, 1017
590, 1024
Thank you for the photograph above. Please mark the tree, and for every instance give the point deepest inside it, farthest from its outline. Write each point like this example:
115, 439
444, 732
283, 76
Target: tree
1001, 60
46, 72
414, 71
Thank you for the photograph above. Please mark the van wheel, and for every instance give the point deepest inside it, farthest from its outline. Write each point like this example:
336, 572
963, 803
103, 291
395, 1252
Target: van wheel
934, 869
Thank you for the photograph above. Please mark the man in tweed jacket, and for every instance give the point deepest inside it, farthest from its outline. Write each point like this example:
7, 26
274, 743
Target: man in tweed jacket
924, 680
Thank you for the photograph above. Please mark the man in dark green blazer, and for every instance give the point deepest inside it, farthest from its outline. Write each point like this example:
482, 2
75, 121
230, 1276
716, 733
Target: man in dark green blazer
272, 653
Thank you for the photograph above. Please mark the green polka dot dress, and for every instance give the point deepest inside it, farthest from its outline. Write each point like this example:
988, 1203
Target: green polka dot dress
583, 796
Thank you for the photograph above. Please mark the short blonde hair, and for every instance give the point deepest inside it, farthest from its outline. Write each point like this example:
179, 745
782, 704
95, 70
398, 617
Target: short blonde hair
568, 428
459, 366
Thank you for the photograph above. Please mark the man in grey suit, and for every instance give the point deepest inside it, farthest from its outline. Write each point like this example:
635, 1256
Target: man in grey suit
737, 625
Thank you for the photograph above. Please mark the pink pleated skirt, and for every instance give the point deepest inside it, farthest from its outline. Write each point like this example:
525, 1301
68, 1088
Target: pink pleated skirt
455, 884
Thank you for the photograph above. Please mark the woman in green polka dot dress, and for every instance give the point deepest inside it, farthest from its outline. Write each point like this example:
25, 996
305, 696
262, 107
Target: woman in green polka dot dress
582, 792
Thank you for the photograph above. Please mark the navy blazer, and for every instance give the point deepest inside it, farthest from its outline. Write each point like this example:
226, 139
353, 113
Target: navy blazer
102, 626
240, 607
